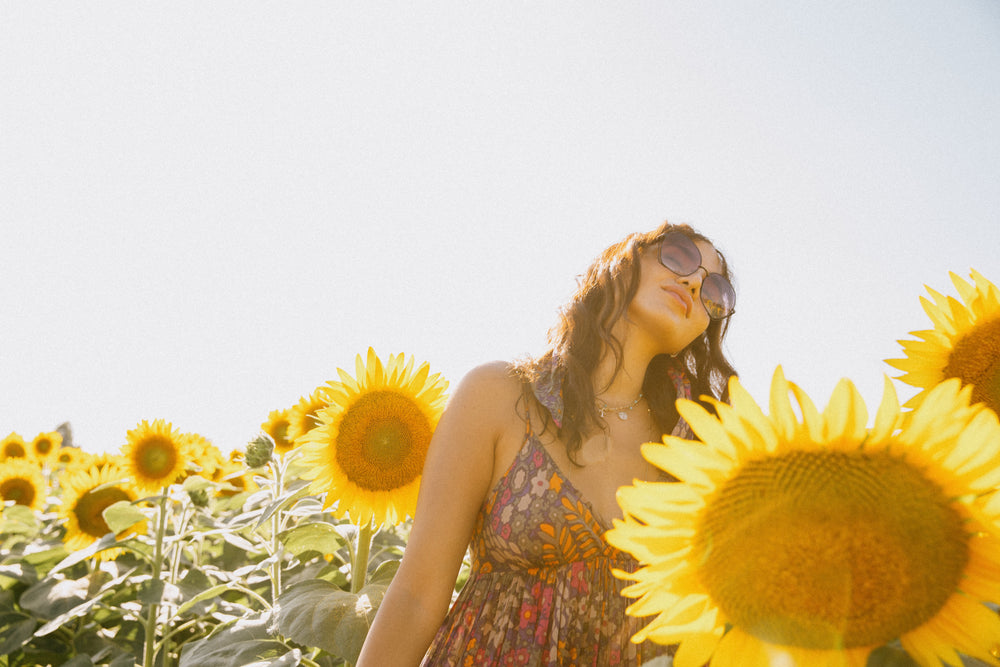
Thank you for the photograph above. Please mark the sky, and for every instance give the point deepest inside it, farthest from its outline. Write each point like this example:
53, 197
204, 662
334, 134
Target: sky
207, 208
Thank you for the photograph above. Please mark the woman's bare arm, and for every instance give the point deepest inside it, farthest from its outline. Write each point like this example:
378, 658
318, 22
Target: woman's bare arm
456, 479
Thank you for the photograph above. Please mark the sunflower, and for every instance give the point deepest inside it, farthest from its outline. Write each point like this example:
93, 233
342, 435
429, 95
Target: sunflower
235, 474
964, 343
106, 460
45, 445
368, 453
21, 481
304, 415
814, 542
86, 494
72, 457
156, 454
204, 454
277, 426
14, 447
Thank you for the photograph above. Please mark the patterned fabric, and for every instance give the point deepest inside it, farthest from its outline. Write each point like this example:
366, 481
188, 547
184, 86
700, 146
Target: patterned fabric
541, 591
548, 390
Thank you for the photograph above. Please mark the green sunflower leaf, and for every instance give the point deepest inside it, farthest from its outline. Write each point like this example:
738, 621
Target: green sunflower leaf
43, 561
318, 613
204, 595
51, 597
150, 591
18, 520
252, 652
297, 489
196, 483
384, 573
80, 610
15, 630
319, 536
239, 644
79, 661
105, 542
122, 515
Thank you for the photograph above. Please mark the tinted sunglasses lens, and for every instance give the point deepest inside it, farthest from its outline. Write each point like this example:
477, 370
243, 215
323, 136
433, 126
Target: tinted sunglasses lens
679, 254
718, 295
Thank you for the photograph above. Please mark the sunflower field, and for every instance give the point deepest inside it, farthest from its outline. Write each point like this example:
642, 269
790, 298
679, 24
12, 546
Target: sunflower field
170, 553
799, 537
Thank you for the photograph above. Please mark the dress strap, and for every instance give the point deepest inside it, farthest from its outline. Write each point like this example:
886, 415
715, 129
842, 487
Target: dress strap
547, 390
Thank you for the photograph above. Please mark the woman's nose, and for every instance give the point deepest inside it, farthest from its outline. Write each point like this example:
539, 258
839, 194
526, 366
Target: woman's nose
693, 281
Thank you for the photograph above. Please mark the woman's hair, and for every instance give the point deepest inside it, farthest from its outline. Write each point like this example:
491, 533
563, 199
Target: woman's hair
585, 330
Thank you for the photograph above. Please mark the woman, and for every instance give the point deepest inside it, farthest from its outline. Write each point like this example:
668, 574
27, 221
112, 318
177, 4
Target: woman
527, 458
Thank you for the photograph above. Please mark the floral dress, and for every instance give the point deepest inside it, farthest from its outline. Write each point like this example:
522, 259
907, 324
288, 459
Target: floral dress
541, 591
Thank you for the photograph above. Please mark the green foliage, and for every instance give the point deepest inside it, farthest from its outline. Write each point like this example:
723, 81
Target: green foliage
318, 613
212, 582
122, 515
240, 643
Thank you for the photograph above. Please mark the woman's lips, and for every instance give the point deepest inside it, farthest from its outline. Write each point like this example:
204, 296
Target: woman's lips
681, 296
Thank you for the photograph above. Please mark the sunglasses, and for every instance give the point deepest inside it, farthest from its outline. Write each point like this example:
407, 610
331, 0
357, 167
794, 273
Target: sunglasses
680, 254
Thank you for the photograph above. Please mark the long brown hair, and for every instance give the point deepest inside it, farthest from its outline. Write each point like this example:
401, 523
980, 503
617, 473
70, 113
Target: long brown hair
584, 331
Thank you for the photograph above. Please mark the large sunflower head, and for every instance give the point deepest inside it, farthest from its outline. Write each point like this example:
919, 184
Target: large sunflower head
964, 343
87, 492
14, 447
813, 541
46, 445
277, 426
22, 482
156, 455
368, 453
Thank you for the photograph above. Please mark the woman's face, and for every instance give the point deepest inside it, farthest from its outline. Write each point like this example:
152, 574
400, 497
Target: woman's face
667, 312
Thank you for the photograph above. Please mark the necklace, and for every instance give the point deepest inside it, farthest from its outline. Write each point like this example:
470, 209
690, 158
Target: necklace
622, 412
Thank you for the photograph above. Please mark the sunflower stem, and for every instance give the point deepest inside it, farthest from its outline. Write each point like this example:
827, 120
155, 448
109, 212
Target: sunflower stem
359, 565
176, 630
175, 566
275, 531
149, 650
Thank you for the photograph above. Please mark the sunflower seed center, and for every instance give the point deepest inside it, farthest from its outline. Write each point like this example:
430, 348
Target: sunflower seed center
14, 450
157, 456
89, 509
975, 360
19, 490
830, 550
382, 441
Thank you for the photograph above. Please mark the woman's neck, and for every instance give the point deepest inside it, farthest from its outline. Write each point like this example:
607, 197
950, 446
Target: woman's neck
619, 388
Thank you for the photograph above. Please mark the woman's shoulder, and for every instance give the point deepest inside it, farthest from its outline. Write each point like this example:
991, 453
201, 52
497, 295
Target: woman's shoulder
485, 401
496, 378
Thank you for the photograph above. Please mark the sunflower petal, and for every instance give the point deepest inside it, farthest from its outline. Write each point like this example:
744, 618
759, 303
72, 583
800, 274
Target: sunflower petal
781, 407
887, 418
810, 416
696, 649
977, 633
739, 649
846, 414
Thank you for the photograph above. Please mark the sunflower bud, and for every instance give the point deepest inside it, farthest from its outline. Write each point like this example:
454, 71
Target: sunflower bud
259, 451
199, 497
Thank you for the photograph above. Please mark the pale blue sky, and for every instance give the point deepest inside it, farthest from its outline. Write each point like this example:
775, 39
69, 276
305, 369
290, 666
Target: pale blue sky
206, 208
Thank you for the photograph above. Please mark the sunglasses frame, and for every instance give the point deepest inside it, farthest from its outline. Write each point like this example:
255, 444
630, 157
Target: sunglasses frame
708, 274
